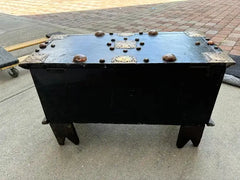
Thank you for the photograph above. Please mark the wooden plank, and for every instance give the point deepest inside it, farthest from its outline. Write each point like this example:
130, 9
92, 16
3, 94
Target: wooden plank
25, 44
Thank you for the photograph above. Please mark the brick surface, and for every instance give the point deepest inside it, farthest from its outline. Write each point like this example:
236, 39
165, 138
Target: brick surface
218, 19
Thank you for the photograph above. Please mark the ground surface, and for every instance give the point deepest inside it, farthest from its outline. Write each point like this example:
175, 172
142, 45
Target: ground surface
29, 150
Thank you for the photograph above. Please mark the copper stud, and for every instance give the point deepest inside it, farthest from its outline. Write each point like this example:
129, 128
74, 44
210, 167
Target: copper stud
210, 43
169, 57
111, 48
99, 33
141, 43
52, 45
146, 60
79, 58
102, 60
42, 45
138, 48
197, 43
125, 50
152, 33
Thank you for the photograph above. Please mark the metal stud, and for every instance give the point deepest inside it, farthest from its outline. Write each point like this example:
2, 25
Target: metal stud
110, 33
210, 43
112, 40
169, 57
79, 58
111, 48
146, 60
141, 33
215, 47
141, 43
125, 38
138, 48
46, 42
109, 44
52, 45
197, 43
102, 60
42, 46
137, 39
99, 33
125, 50
152, 33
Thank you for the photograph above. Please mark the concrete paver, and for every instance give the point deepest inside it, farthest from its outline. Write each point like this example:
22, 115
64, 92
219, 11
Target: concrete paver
218, 19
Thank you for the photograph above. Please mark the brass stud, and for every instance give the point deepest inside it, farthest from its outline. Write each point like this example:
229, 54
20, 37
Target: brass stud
210, 43
152, 33
169, 57
99, 33
42, 46
79, 58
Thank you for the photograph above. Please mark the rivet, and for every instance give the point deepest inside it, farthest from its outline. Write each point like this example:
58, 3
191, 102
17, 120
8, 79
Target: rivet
152, 33
210, 43
125, 50
146, 60
36, 50
101, 60
138, 48
169, 57
110, 33
42, 46
125, 38
111, 48
109, 44
112, 40
99, 33
137, 39
141, 33
79, 58
197, 43
52, 45
141, 43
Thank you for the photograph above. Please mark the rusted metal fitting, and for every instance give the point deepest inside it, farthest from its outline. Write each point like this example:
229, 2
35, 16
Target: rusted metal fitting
169, 57
99, 33
210, 43
52, 45
79, 58
138, 48
42, 46
152, 33
102, 60
141, 43
197, 43
146, 60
